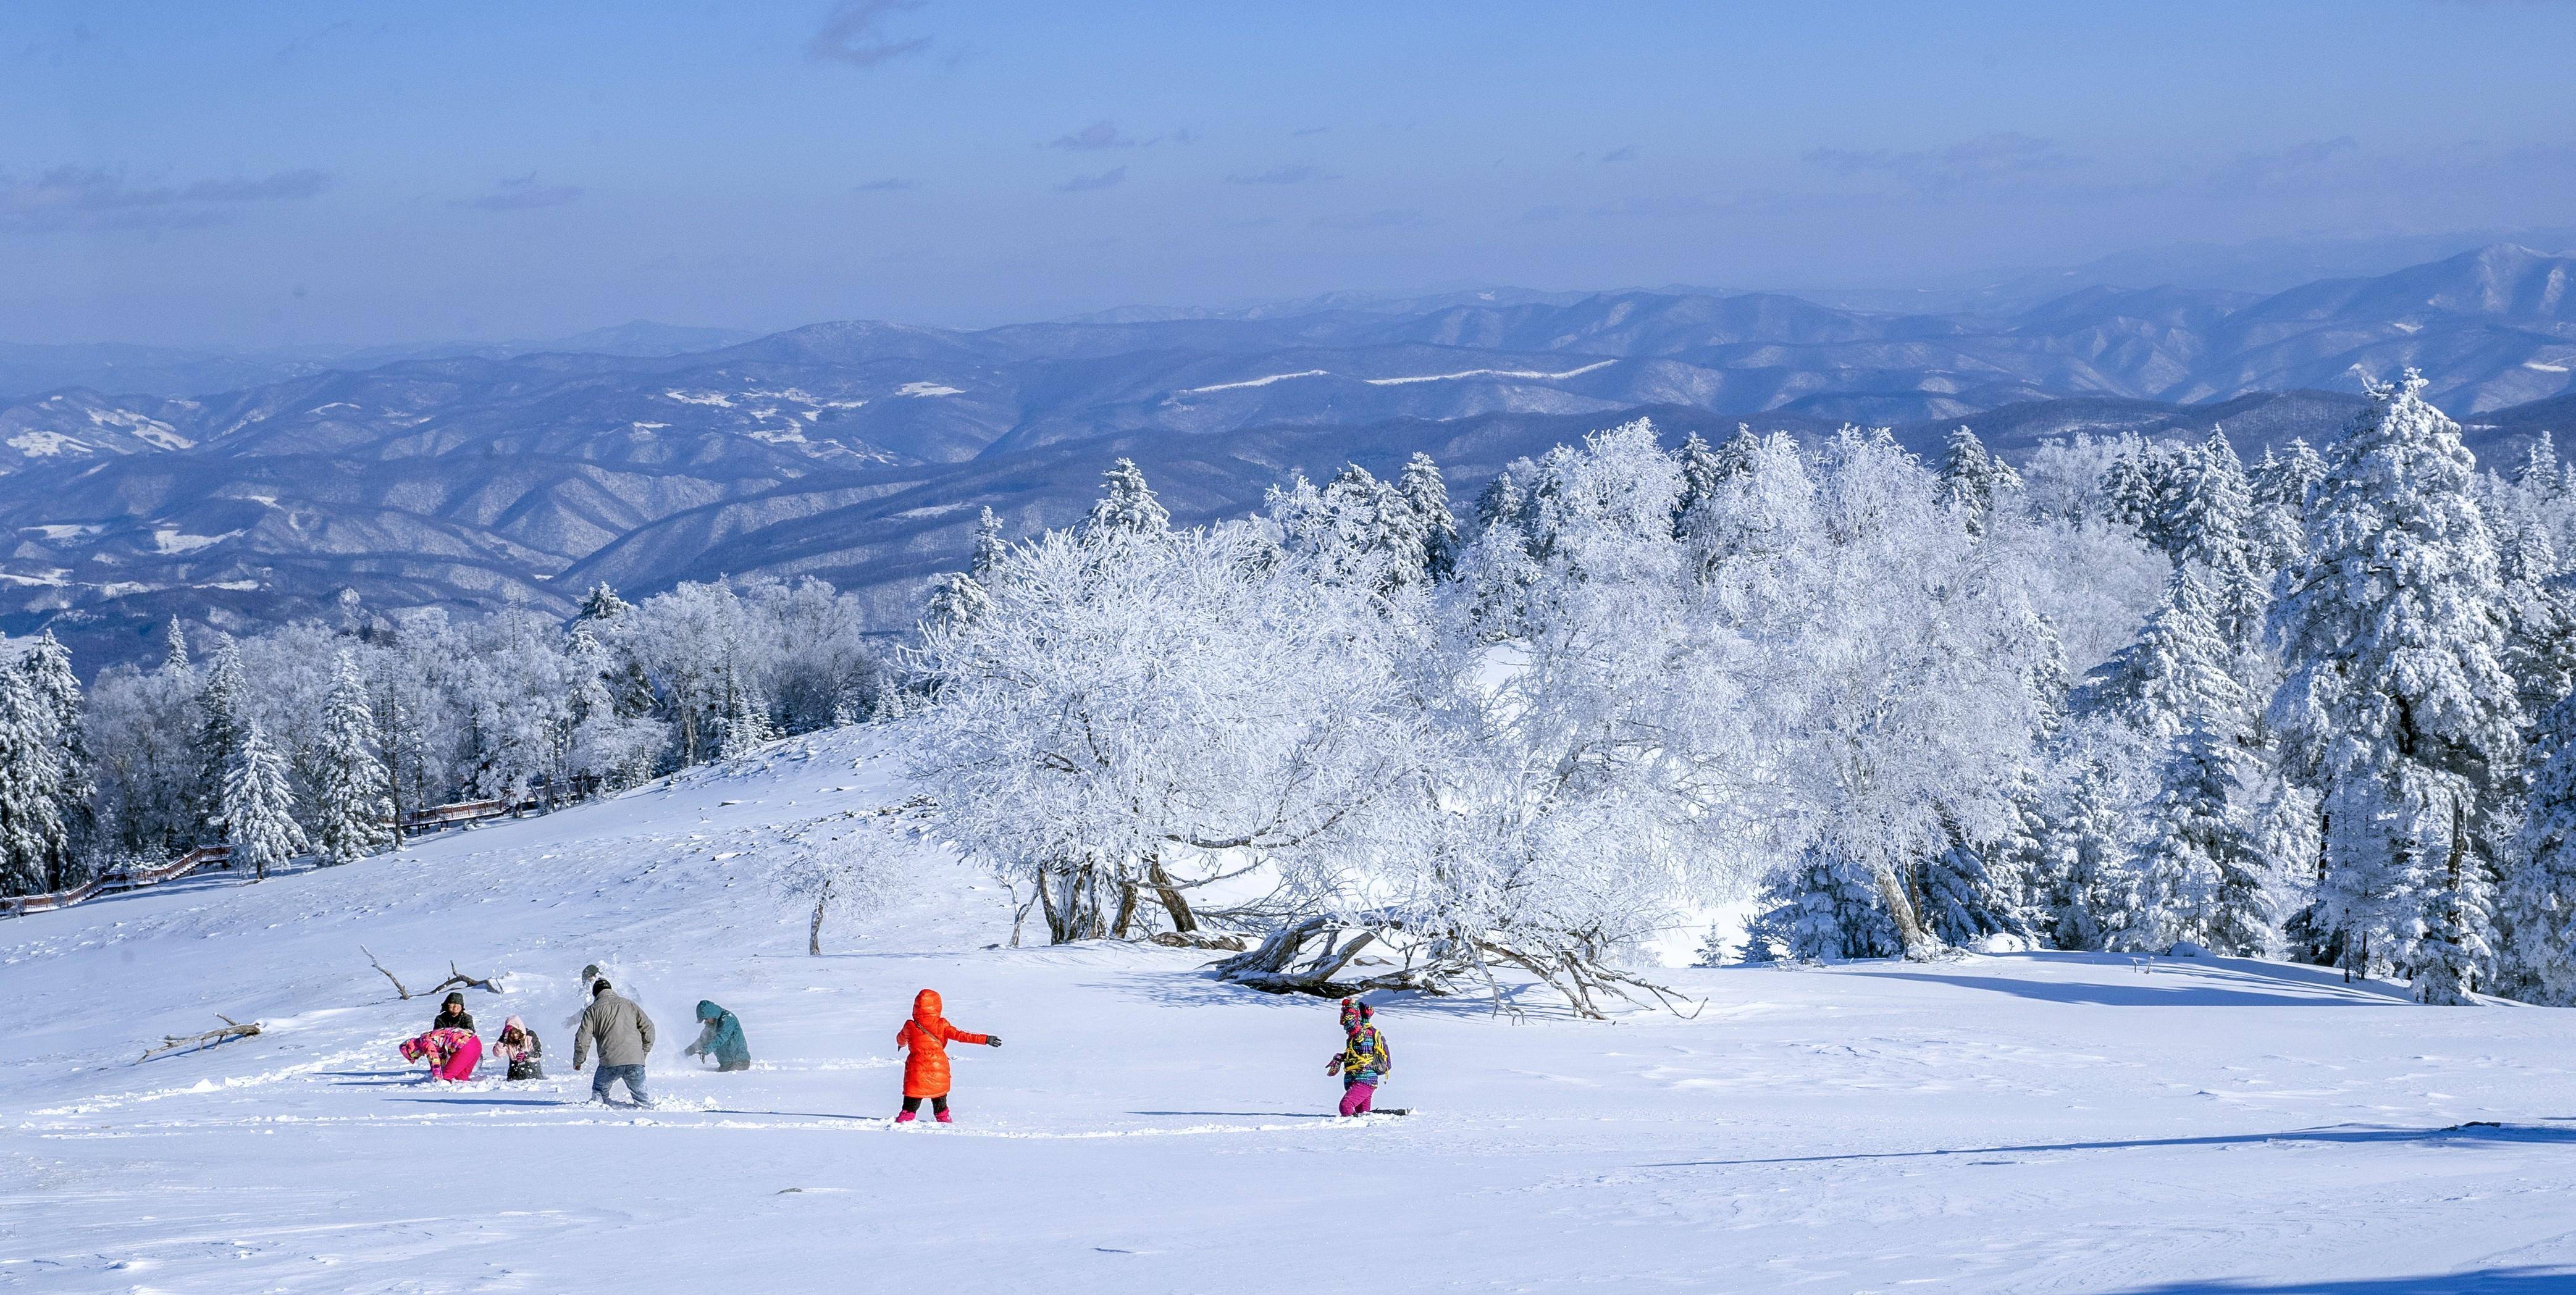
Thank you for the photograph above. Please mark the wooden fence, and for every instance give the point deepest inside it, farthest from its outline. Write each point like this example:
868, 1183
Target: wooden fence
203, 856
415, 823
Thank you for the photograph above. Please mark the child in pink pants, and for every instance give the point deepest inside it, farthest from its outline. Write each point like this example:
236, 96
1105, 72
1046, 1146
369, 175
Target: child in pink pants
1363, 1061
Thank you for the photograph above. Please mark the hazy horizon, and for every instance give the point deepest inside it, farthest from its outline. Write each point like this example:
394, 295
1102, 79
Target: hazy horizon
288, 176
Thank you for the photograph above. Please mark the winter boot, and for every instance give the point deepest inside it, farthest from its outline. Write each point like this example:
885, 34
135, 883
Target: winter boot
942, 1117
904, 1118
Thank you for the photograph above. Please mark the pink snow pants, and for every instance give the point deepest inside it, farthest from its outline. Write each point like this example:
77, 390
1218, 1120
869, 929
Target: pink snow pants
461, 1066
1355, 1099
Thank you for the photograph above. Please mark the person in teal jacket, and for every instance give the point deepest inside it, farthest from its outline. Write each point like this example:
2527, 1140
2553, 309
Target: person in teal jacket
721, 1039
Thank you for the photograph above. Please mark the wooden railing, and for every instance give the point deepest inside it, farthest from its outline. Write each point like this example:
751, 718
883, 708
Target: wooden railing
123, 879
414, 823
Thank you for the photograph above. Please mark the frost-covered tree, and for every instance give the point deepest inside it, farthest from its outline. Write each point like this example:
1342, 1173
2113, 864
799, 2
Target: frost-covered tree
2179, 671
601, 604
2536, 905
33, 844
2277, 528
352, 807
1971, 477
1422, 487
48, 667
2538, 472
955, 599
1126, 503
990, 550
2211, 503
222, 708
851, 878
258, 818
2396, 706
2202, 871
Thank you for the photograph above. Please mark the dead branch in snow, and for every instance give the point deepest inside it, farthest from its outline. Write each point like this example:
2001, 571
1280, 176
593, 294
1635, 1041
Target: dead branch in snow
232, 1029
455, 979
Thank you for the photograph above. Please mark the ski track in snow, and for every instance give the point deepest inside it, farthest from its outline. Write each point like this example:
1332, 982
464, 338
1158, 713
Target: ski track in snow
2046, 1123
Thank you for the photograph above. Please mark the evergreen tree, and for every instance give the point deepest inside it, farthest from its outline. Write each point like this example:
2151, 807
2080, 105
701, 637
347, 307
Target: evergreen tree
352, 802
602, 604
1702, 472
174, 653
1971, 477
48, 667
2538, 474
1126, 503
2210, 504
2139, 490
33, 844
2540, 618
746, 716
1822, 910
991, 551
2093, 897
2537, 903
222, 716
2396, 705
2179, 669
258, 817
2277, 529
957, 599
2202, 874
1422, 487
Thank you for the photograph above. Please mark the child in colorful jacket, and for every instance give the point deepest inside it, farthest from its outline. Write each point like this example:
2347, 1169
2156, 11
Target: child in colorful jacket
1364, 1061
518, 1045
452, 1054
925, 1039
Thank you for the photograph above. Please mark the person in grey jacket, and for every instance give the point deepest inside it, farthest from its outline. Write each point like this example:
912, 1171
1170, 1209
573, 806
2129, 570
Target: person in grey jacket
624, 1035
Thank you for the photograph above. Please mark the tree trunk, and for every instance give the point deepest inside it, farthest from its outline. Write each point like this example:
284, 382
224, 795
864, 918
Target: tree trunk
1919, 944
814, 929
1126, 910
1174, 902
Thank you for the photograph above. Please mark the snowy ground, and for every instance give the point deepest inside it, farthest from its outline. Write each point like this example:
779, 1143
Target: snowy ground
2041, 1123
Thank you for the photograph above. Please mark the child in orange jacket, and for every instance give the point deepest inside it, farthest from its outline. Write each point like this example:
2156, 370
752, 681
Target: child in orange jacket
925, 1039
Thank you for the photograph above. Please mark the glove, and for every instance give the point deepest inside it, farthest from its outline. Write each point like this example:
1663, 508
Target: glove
992, 1040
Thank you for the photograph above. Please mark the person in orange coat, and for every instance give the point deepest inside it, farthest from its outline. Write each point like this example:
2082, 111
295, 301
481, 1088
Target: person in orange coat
925, 1039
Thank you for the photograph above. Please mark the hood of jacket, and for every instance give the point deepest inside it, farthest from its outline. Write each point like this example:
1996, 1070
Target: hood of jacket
708, 1011
926, 1007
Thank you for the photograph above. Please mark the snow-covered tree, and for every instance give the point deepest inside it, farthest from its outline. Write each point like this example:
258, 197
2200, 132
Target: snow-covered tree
352, 808
222, 708
1422, 487
2538, 472
2277, 528
33, 844
990, 551
2396, 706
601, 604
851, 877
1126, 503
258, 818
2536, 905
1971, 477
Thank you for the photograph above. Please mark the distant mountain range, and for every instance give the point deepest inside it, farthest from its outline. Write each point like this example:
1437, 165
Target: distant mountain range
860, 451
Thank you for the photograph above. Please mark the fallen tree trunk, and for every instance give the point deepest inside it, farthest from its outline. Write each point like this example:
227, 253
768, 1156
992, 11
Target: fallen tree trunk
455, 980
232, 1029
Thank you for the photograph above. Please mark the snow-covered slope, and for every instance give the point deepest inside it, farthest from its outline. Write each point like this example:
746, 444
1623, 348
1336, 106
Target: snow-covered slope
2043, 1123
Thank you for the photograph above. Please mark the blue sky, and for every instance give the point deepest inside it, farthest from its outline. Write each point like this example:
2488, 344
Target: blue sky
286, 173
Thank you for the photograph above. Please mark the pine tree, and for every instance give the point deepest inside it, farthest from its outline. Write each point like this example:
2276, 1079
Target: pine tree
2396, 705
48, 667
602, 604
175, 648
956, 600
1702, 472
1422, 487
33, 843
258, 817
2203, 876
2538, 474
2210, 505
2138, 490
991, 550
1822, 910
352, 802
2278, 530
2537, 903
1126, 503
2180, 668
222, 715
746, 716
1971, 477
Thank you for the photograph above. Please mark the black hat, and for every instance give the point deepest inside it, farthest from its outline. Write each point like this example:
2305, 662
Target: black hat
599, 986
455, 998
